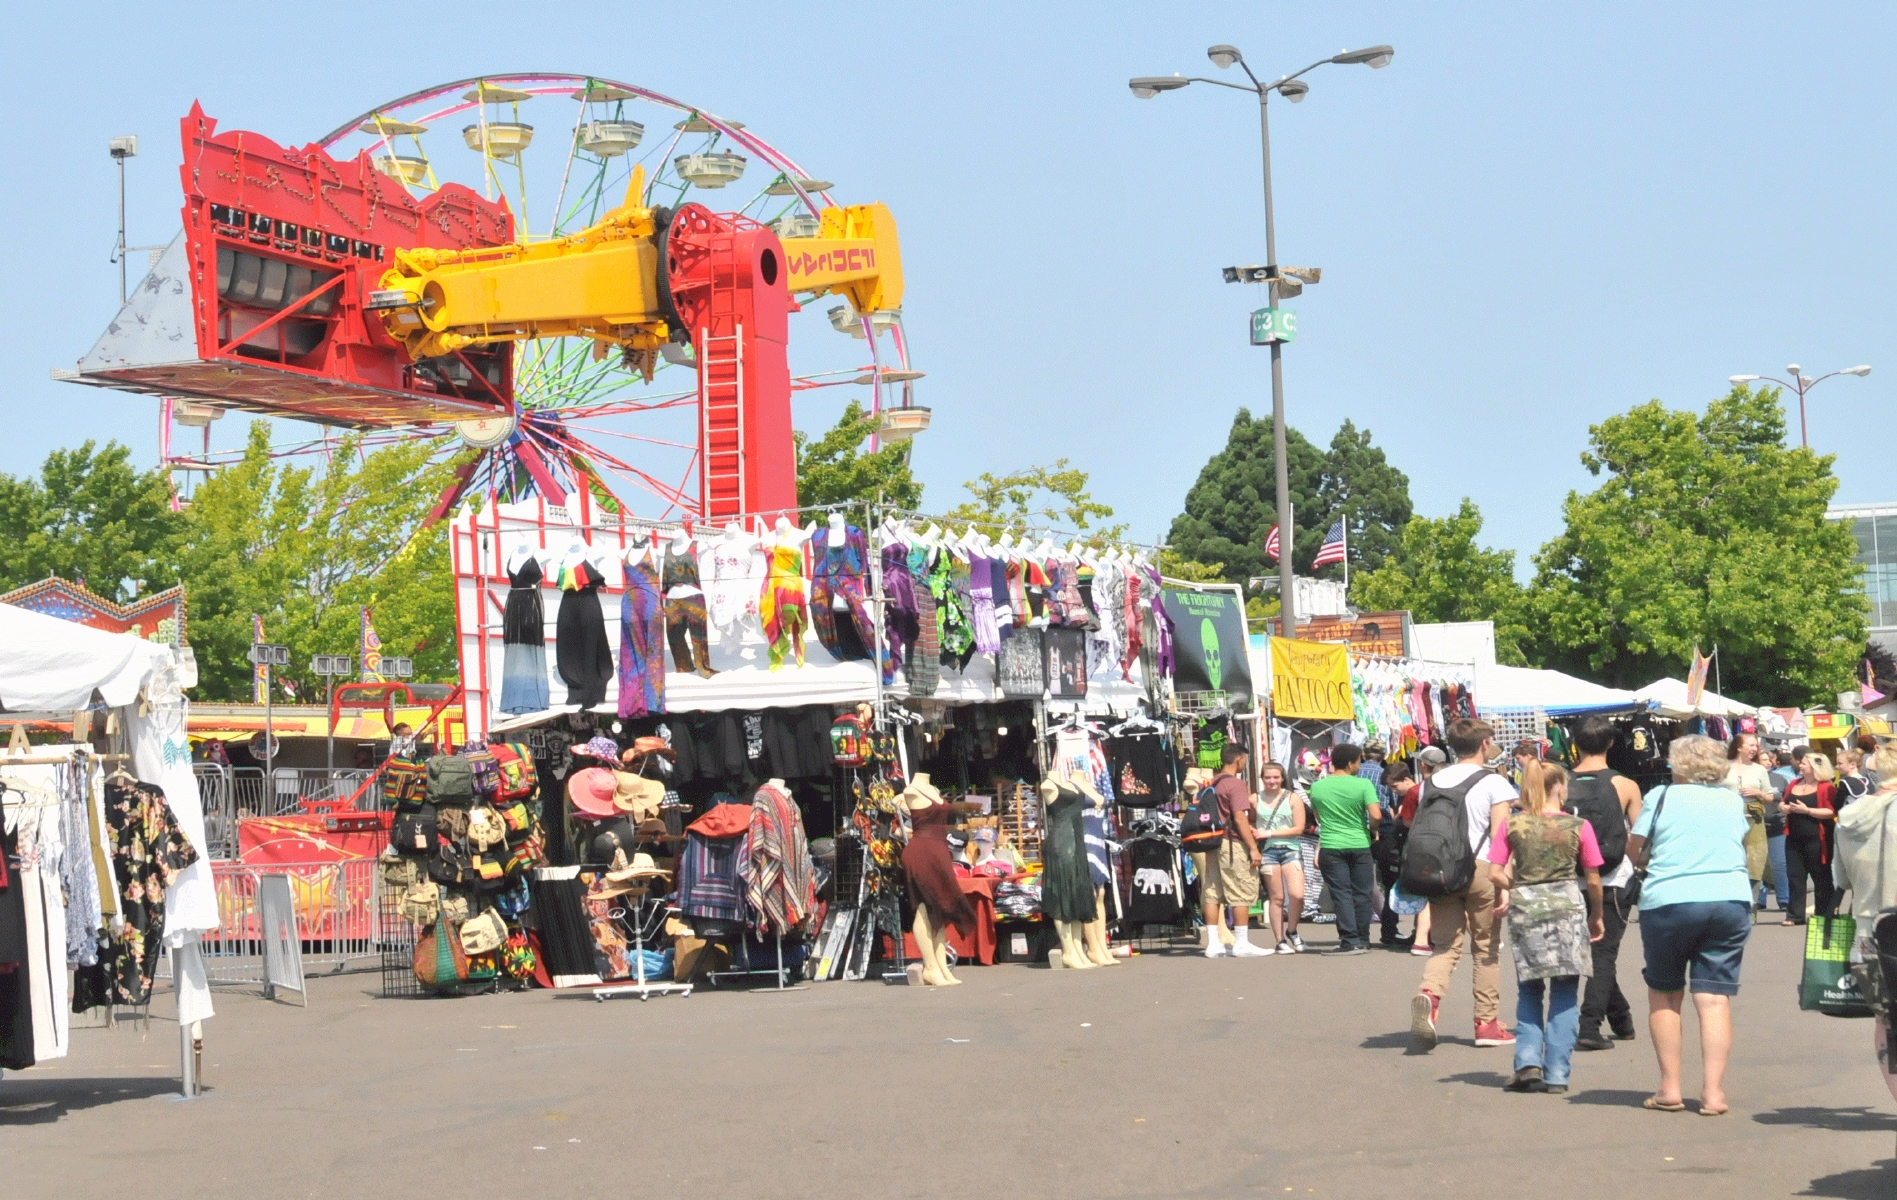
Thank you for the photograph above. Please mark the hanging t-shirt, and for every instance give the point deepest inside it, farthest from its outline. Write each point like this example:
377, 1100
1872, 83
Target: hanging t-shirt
1155, 896
1142, 770
1212, 735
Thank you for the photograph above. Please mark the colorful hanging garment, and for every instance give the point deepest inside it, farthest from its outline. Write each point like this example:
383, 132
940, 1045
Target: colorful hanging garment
924, 667
785, 611
641, 642
837, 572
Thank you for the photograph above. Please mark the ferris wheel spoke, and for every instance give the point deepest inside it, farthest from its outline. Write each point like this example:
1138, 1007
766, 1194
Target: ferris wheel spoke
639, 437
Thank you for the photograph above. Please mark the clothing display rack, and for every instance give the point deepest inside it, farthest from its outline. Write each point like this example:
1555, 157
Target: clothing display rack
640, 986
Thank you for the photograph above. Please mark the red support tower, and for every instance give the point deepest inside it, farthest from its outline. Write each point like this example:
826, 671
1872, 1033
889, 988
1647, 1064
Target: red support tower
725, 276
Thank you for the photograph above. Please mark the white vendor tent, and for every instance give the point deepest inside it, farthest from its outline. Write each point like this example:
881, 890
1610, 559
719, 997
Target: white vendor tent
1669, 696
1550, 691
52, 666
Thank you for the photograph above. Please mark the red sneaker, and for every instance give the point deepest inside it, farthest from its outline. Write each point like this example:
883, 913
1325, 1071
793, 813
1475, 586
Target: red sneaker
1491, 1033
1423, 1009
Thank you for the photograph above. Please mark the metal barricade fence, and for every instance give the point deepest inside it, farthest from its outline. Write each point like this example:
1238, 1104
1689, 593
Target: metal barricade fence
339, 914
219, 796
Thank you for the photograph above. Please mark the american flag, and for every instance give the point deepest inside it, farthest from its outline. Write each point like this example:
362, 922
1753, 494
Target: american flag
1332, 551
1271, 543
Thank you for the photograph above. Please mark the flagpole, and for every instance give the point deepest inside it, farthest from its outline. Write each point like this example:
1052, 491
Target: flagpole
1346, 564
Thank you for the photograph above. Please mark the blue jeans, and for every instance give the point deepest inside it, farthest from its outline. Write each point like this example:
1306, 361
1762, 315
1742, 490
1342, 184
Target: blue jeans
1552, 1049
1775, 860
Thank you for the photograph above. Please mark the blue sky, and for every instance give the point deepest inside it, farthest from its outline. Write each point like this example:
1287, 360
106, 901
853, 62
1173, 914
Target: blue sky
1535, 217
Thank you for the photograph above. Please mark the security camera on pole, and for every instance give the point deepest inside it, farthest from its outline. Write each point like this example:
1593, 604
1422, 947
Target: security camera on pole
1279, 326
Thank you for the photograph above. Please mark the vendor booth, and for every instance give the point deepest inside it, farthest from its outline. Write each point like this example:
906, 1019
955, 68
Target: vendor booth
104, 867
792, 745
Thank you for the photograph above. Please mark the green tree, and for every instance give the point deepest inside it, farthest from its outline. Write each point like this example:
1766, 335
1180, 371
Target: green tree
90, 517
1708, 531
1053, 497
1372, 496
834, 469
306, 547
1233, 504
1440, 573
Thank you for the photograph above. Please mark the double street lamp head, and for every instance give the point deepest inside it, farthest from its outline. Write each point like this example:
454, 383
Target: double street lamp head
1293, 89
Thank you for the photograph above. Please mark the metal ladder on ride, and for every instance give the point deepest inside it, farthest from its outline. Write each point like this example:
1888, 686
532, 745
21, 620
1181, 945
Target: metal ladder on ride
721, 393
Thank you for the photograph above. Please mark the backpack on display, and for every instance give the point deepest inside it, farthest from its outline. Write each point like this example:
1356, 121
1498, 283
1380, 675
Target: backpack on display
849, 742
1592, 798
413, 830
518, 779
450, 781
402, 779
1437, 858
1199, 825
484, 774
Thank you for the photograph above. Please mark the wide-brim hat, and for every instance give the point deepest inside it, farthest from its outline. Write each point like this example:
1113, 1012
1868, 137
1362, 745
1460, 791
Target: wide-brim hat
1197, 777
646, 747
636, 794
591, 792
642, 867
602, 748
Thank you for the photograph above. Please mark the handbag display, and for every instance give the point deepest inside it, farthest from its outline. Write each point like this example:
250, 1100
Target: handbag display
403, 779
440, 962
484, 933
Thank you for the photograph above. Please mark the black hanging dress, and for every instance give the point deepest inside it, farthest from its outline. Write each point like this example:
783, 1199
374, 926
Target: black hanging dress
585, 658
1066, 886
524, 643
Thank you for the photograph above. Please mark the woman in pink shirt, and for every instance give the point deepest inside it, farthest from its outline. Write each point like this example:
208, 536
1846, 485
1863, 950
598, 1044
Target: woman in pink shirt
1534, 863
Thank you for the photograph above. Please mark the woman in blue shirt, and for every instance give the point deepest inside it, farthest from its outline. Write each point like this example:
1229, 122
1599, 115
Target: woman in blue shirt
1695, 912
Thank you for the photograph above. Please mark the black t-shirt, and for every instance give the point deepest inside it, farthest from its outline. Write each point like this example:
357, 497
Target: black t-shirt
1142, 770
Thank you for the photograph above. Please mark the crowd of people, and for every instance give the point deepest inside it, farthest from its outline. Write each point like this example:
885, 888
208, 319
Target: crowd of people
1558, 861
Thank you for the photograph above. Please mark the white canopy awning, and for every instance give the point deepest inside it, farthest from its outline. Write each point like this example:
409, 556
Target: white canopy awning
1670, 696
1526, 687
50, 665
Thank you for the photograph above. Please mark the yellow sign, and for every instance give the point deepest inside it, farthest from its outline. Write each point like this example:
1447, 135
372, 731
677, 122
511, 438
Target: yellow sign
1310, 680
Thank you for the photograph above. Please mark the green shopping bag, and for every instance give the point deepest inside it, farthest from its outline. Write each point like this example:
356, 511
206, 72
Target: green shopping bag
1828, 985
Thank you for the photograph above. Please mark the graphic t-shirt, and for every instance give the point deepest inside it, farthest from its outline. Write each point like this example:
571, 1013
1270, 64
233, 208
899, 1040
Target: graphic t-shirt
1343, 803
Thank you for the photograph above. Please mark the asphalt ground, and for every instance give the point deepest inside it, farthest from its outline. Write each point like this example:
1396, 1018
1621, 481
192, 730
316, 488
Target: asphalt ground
1165, 1076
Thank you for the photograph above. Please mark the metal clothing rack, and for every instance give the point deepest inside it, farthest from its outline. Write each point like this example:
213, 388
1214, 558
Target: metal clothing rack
640, 986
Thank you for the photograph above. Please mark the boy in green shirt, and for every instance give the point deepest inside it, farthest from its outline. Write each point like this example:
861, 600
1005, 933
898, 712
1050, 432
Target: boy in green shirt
1347, 809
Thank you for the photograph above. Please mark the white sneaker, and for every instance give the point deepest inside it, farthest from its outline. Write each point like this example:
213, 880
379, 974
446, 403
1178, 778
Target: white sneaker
1215, 948
1285, 948
1244, 949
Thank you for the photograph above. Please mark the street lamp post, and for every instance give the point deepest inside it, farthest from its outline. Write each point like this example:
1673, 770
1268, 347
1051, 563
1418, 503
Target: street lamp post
1801, 384
268, 655
1292, 88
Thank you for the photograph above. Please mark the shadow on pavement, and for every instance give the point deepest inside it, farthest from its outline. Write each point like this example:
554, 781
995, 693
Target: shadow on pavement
1872, 1183
1488, 1079
1862, 1119
1611, 1098
44, 1101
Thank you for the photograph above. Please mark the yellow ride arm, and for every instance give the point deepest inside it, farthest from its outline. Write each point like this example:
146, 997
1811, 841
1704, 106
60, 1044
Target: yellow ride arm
603, 282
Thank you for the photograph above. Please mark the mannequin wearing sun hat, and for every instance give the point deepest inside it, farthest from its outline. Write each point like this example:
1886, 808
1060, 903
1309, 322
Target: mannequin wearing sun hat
932, 881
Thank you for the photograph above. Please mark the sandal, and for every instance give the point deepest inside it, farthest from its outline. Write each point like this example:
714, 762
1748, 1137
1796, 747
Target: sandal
1653, 1103
1713, 1112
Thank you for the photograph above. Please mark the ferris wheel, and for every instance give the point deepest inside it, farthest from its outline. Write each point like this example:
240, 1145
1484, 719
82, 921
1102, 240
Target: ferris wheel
559, 152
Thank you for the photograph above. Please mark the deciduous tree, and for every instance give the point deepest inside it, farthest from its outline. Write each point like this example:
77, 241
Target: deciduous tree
1440, 573
1707, 530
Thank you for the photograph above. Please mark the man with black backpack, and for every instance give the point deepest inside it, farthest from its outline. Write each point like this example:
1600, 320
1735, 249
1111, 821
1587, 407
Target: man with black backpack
1610, 802
1462, 808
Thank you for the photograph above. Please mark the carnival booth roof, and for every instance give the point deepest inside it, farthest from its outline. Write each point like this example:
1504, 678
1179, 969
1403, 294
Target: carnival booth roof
1669, 696
1551, 691
47, 664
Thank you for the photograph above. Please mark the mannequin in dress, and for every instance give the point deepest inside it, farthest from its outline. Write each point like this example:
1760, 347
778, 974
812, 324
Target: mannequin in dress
1066, 888
933, 885
1094, 932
